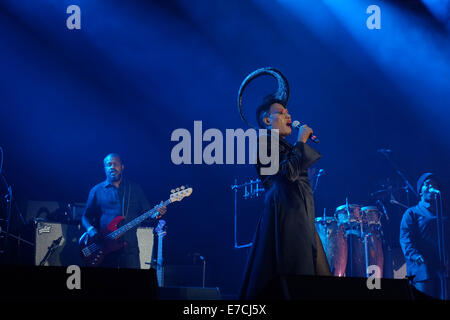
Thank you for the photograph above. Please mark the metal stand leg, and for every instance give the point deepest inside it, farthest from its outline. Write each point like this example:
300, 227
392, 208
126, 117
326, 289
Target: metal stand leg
441, 247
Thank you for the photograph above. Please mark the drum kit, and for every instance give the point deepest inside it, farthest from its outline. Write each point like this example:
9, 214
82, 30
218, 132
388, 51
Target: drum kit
352, 239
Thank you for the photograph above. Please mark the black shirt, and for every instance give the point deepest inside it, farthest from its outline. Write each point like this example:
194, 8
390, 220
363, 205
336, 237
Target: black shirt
105, 202
418, 236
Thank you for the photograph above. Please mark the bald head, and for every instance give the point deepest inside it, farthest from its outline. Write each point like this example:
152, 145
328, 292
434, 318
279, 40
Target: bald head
112, 155
113, 167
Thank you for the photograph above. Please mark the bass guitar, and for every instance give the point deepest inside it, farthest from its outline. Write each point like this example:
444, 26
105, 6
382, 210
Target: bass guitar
95, 249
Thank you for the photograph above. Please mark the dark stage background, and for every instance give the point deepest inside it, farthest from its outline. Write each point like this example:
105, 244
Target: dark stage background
137, 70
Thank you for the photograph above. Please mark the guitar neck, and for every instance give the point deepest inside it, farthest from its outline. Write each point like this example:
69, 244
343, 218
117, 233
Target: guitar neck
135, 222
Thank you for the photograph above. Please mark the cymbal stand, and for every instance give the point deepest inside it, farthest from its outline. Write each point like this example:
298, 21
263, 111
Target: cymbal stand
251, 190
408, 187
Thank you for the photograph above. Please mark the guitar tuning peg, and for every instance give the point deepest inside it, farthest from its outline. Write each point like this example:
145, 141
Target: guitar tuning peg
177, 189
172, 191
182, 187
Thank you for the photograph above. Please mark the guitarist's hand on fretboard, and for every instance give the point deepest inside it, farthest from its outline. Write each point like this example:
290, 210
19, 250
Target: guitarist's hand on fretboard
161, 210
92, 232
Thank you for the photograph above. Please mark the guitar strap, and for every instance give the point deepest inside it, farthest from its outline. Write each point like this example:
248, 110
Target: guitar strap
125, 213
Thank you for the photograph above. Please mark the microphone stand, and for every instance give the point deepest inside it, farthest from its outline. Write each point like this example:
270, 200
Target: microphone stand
441, 245
386, 244
203, 271
10, 200
317, 180
50, 250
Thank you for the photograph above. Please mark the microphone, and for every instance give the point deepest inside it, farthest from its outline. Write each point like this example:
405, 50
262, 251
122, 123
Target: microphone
321, 172
296, 124
433, 190
384, 209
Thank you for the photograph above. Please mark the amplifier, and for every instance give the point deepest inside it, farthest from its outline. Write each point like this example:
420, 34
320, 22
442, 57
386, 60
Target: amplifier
145, 243
57, 244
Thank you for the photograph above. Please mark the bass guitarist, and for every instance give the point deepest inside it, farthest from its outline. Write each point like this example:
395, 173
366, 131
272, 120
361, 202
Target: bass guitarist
116, 196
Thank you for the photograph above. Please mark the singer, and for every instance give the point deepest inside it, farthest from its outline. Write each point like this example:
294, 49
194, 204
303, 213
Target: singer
419, 240
286, 240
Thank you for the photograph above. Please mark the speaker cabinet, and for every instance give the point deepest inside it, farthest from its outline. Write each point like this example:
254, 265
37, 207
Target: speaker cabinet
57, 244
145, 242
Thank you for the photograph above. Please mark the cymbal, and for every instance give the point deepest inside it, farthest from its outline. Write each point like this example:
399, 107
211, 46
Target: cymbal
388, 190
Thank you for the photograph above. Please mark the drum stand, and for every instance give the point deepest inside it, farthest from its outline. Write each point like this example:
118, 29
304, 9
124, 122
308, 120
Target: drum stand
252, 189
366, 257
362, 234
350, 239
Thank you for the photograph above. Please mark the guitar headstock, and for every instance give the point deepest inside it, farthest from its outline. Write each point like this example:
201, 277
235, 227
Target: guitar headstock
180, 193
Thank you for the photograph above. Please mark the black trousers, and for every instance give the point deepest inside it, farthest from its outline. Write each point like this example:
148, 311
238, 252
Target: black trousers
124, 258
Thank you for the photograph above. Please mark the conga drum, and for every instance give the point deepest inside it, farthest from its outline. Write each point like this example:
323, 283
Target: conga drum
357, 255
349, 218
372, 226
334, 244
371, 216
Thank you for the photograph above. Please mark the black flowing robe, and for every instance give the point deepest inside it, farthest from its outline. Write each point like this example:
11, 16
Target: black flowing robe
286, 241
